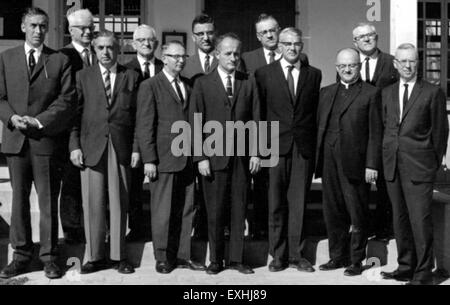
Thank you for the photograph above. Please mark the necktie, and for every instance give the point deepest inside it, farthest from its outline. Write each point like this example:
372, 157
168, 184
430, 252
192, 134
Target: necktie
290, 80
207, 64
271, 57
146, 70
86, 58
179, 93
229, 88
31, 61
108, 85
367, 70
405, 97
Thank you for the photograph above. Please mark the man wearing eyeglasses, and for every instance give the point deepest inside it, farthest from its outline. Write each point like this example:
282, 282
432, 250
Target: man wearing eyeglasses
147, 65
81, 55
378, 70
289, 92
348, 159
415, 139
164, 100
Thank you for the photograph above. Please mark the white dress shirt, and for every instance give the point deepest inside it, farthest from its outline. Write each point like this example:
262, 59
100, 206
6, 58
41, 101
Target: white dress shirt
373, 60
36, 55
411, 85
295, 72
151, 66
202, 56
80, 49
267, 56
224, 77
112, 75
172, 83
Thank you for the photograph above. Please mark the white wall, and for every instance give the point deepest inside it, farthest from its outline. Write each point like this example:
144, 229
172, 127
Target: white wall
403, 27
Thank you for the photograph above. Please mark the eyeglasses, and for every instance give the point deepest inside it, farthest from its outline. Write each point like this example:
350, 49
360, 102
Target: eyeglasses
351, 66
201, 34
177, 56
404, 62
290, 44
371, 35
83, 28
265, 32
149, 40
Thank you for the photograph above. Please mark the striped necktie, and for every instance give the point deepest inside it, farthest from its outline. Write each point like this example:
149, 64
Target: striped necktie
108, 86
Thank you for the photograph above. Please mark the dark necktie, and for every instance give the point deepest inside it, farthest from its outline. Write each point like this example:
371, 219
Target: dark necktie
179, 93
108, 85
405, 97
86, 56
271, 57
31, 61
207, 64
367, 70
229, 88
290, 80
146, 70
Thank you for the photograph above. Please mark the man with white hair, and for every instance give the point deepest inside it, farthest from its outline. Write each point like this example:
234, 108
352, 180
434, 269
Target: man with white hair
81, 55
147, 65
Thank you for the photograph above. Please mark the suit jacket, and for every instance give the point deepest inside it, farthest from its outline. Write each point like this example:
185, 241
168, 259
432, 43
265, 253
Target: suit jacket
253, 60
193, 68
97, 121
136, 66
420, 139
209, 98
75, 59
158, 108
48, 95
360, 129
297, 118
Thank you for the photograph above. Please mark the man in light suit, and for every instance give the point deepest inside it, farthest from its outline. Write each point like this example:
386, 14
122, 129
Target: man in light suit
81, 55
348, 158
415, 139
163, 101
147, 65
37, 98
103, 145
226, 95
289, 92
378, 70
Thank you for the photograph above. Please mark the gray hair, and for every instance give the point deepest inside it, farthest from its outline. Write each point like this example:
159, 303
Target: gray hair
408, 46
362, 25
107, 34
170, 43
144, 27
78, 14
292, 30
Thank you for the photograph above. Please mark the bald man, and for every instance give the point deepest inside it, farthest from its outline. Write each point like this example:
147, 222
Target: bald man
348, 159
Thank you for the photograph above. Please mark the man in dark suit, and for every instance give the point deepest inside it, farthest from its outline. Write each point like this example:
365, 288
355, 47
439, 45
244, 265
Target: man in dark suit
147, 65
226, 95
81, 55
103, 145
163, 101
289, 92
37, 97
378, 70
348, 158
415, 139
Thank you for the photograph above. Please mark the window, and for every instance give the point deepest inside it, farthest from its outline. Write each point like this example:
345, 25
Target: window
433, 42
11, 18
119, 16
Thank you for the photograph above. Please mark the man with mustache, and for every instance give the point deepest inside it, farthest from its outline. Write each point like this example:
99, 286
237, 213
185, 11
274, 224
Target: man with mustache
348, 159
104, 147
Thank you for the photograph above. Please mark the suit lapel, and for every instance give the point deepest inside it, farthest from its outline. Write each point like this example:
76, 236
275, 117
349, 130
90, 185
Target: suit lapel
413, 98
237, 87
120, 79
301, 83
219, 84
379, 67
351, 98
261, 58
328, 106
279, 75
166, 83
42, 63
20, 61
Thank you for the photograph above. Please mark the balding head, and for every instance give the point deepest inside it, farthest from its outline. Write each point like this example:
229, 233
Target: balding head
348, 65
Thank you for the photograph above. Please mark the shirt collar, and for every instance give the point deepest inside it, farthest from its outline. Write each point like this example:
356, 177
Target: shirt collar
224, 75
38, 50
170, 77
373, 56
347, 86
113, 69
410, 83
203, 55
266, 52
285, 64
79, 47
142, 60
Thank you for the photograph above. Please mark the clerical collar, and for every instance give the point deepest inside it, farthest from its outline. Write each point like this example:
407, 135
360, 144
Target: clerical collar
351, 85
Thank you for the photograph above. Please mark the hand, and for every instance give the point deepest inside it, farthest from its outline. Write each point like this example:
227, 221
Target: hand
31, 122
76, 157
151, 171
255, 165
371, 175
135, 160
18, 122
204, 168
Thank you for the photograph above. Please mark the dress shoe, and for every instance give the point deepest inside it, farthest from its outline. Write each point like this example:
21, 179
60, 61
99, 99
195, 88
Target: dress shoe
241, 268
397, 275
15, 268
333, 265
124, 267
276, 266
214, 268
164, 267
91, 267
420, 282
52, 271
293, 263
305, 266
188, 264
353, 270
135, 236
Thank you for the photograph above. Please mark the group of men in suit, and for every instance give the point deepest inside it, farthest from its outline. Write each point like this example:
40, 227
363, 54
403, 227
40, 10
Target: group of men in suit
114, 123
